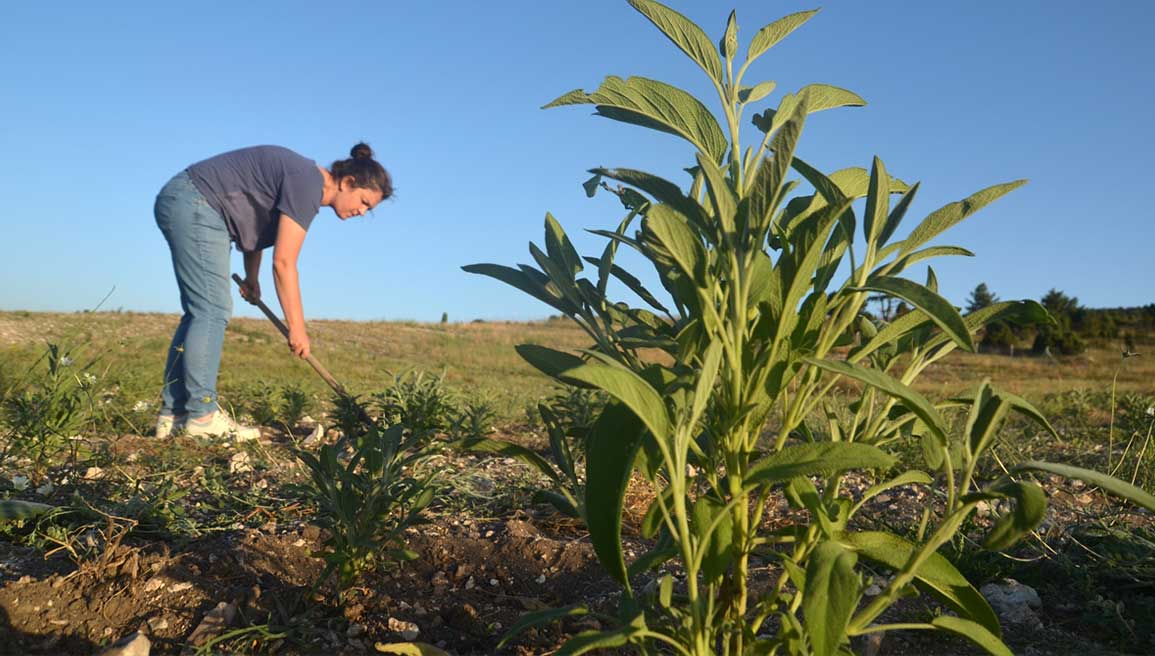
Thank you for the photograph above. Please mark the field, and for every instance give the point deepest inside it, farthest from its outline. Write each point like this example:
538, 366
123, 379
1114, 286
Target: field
154, 535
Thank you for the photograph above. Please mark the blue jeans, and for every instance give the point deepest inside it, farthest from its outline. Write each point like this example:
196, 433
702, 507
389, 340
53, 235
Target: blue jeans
199, 242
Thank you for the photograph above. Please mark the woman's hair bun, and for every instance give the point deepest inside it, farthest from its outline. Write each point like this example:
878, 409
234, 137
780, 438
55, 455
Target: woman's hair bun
361, 151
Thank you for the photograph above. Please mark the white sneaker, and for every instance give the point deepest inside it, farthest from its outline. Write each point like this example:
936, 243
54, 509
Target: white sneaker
166, 425
220, 424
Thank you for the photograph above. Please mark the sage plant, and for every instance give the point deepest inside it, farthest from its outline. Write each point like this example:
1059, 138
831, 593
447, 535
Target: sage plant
755, 330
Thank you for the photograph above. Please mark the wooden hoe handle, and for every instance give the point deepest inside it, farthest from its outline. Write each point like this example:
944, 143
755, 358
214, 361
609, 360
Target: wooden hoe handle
317, 366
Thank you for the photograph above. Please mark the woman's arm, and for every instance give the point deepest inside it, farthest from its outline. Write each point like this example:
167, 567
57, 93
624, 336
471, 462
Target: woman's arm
290, 237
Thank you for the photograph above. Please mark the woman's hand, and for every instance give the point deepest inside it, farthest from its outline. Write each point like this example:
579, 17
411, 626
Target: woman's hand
251, 290
299, 342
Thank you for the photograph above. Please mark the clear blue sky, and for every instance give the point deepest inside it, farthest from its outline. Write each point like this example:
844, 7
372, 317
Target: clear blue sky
103, 102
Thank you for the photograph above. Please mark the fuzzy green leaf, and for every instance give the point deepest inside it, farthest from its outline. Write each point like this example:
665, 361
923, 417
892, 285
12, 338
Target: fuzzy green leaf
916, 402
655, 105
1030, 509
539, 618
551, 362
1109, 484
510, 450
689, 38
770, 35
973, 631
823, 458
830, 597
936, 307
936, 575
947, 216
671, 229
613, 443
522, 281
757, 92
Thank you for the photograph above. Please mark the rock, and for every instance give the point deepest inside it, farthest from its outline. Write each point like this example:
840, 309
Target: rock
239, 463
407, 630
156, 624
314, 438
213, 624
1014, 602
93, 474
873, 591
153, 585
132, 645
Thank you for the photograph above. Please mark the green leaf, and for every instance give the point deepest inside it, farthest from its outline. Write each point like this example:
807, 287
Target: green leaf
877, 202
1109, 484
540, 617
550, 362
916, 402
973, 631
986, 416
590, 640
897, 214
831, 596
906, 478
669, 226
808, 459
949, 215
936, 307
770, 35
655, 105
904, 263
1030, 509
719, 544
728, 46
722, 197
560, 502
689, 38
522, 281
704, 387
613, 443
663, 191
806, 268
816, 97
628, 387
937, 575
757, 92
630, 281
16, 509
559, 247
510, 450
409, 649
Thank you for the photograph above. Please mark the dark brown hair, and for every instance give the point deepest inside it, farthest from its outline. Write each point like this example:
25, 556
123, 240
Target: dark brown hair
366, 172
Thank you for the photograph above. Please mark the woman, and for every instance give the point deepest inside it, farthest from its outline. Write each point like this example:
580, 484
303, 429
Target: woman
255, 198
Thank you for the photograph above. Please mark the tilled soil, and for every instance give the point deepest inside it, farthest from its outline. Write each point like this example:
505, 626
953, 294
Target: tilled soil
471, 582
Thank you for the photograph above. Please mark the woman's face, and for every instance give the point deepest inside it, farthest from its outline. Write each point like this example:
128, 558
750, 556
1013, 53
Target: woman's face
353, 201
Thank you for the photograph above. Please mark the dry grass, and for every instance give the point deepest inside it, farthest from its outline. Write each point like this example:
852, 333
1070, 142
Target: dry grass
478, 359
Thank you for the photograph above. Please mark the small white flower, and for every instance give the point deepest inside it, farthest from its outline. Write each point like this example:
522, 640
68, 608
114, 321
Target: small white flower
1151, 411
140, 406
46, 489
66, 361
20, 483
88, 379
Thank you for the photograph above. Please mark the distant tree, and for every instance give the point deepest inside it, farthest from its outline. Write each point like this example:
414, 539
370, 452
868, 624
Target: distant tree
444, 318
1058, 303
999, 337
980, 298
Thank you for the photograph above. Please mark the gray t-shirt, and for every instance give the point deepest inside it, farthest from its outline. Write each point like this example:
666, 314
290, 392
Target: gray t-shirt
252, 187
